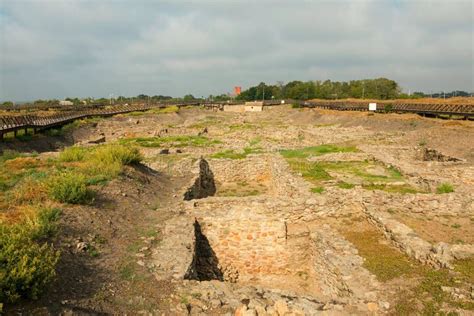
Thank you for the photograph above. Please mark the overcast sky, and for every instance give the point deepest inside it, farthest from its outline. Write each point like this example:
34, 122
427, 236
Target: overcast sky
60, 48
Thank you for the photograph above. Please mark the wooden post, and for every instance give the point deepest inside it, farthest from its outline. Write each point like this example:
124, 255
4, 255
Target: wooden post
14, 133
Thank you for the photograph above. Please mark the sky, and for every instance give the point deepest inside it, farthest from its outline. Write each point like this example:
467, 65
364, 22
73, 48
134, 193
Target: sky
94, 48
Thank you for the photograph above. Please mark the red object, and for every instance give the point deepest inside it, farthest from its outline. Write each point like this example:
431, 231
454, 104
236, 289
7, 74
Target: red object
237, 90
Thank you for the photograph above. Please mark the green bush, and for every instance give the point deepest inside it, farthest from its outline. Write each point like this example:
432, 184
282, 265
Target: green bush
73, 154
69, 187
27, 266
444, 188
44, 225
125, 155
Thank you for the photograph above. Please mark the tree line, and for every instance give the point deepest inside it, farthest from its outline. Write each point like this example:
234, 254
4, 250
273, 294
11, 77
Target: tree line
380, 89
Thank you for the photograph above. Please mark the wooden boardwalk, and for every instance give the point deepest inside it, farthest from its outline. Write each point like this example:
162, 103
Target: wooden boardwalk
37, 123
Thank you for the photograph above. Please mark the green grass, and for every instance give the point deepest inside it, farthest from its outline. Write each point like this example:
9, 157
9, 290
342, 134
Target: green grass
315, 151
232, 154
311, 171
320, 171
243, 126
69, 187
255, 141
384, 261
444, 188
402, 189
74, 153
175, 141
318, 190
28, 262
345, 185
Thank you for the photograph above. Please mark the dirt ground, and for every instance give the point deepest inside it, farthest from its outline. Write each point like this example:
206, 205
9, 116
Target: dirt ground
126, 223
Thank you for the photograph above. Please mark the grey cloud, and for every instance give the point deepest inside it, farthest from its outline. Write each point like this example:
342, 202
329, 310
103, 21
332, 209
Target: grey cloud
93, 48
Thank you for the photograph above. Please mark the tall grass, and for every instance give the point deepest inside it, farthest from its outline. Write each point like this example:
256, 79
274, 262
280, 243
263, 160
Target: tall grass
27, 264
69, 187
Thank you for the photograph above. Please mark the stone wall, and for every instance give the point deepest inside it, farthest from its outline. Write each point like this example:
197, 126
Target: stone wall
247, 245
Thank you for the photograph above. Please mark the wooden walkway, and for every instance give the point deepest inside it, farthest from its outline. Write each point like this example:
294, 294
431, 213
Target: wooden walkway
463, 110
37, 123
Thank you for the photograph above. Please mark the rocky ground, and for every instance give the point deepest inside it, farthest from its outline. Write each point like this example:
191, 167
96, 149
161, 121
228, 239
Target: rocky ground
283, 212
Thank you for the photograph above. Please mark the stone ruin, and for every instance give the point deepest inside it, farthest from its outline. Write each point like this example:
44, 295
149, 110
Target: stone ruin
262, 244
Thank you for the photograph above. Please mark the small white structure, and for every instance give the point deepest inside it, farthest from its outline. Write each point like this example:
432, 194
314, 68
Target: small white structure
372, 106
255, 106
65, 102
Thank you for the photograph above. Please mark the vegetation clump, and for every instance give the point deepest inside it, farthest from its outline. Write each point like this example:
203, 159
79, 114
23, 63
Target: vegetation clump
69, 187
27, 264
232, 154
176, 141
444, 188
316, 151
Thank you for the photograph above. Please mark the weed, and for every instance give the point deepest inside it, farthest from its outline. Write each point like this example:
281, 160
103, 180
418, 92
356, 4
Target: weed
444, 188
231, 154
69, 187
176, 141
315, 151
382, 260
318, 190
92, 251
310, 170
127, 271
27, 265
255, 141
345, 185
73, 154
401, 189
10, 154
422, 143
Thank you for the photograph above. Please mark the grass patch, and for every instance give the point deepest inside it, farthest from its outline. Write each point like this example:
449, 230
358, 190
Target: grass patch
401, 189
315, 151
444, 188
311, 171
231, 154
384, 261
345, 185
373, 175
234, 127
173, 141
27, 263
69, 187
318, 190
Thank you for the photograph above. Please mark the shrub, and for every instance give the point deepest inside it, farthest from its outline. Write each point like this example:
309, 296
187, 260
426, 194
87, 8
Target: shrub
73, 154
345, 185
9, 154
444, 188
317, 190
26, 266
44, 225
125, 155
69, 187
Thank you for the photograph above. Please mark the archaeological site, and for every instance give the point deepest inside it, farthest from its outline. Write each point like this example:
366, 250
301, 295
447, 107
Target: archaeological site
273, 210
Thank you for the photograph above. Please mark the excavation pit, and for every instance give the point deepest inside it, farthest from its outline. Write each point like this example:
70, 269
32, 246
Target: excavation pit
253, 252
253, 176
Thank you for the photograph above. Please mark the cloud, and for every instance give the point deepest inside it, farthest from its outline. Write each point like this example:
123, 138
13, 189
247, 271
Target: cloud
65, 48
